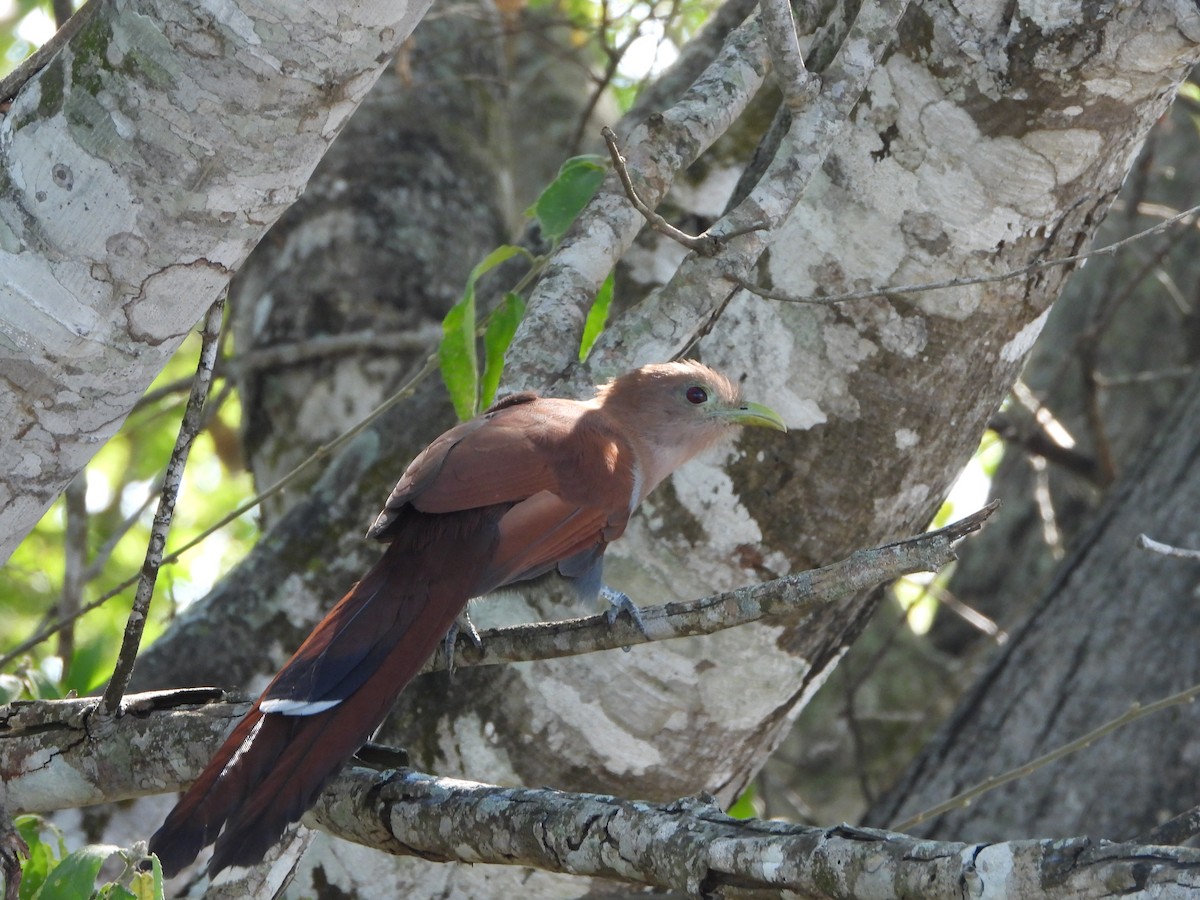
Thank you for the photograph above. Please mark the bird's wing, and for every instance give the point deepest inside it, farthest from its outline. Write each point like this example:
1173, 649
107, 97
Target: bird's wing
513, 453
409, 599
499, 457
534, 535
507, 460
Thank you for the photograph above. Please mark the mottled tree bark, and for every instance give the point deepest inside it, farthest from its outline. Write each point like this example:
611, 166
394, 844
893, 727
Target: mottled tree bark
138, 168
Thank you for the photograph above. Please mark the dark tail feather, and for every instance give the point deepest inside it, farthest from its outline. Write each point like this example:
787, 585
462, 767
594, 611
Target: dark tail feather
272, 767
197, 818
301, 754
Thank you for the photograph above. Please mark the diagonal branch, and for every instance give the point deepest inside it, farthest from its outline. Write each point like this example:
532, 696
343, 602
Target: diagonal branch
798, 85
664, 143
193, 421
792, 595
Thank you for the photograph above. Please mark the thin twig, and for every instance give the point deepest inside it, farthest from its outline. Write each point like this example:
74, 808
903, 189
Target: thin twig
969, 614
1147, 543
920, 287
705, 244
302, 353
1136, 711
699, 243
193, 417
15, 81
1036, 441
75, 551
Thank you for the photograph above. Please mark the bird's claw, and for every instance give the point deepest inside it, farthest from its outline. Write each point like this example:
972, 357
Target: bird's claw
462, 624
618, 603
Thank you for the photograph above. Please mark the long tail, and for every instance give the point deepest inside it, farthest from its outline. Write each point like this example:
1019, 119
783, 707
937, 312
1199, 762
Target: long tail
343, 681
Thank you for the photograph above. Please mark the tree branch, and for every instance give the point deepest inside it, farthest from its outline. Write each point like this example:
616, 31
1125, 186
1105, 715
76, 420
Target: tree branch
798, 85
658, 147
193, 421
692, 846
80, 775
792, 595
686, 307
689, 845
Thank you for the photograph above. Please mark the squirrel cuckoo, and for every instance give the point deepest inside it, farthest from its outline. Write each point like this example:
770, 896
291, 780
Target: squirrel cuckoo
532, 485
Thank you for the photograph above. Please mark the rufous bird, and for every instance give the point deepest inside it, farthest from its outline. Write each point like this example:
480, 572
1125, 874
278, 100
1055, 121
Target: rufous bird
533, 484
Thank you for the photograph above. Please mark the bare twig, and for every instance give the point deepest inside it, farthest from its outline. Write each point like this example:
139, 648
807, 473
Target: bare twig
301, 353
1148, 376
1145, 542
706, 244
210, 337
969, 614
920, 287
75, 551
1039, 442
1136, 711
15, 80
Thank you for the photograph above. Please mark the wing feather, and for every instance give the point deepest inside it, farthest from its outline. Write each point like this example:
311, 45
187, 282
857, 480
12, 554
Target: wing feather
513, 453
534, 535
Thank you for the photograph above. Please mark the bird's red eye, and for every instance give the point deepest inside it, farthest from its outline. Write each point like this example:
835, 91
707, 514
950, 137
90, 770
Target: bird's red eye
697, 394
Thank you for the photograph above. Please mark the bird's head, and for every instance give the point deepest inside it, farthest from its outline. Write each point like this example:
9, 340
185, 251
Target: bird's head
677, 409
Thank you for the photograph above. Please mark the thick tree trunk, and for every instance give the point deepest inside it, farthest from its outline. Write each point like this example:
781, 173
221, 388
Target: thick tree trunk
1116, 350
1115, 356
141, 164
1115, 628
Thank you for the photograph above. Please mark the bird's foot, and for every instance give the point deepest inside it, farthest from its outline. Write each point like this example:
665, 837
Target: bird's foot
462, 624
620, 603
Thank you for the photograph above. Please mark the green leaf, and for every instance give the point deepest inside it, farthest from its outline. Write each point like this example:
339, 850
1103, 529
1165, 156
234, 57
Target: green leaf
75, 876
457, 357
743, 807
43, 855
496, 339
114, 891
597, 318
148, 885
565, 197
